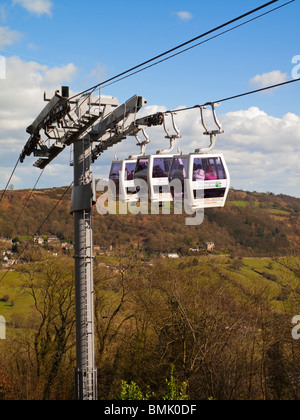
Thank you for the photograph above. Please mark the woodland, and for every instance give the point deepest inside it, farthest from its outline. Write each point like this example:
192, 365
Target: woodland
217, 325
251, 224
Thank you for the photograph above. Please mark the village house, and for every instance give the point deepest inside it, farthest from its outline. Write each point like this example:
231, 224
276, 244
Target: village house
170, 256
209, 246
97, 250
53, 240
39, 240
6, 253
66, 246
8, 262
6, 241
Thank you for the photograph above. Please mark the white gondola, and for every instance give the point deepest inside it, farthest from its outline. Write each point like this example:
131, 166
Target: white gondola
204, 180
122, 174
154, 169
204, 176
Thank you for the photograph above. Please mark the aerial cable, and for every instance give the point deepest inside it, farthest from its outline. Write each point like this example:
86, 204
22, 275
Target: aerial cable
256, 91
105, 84
26, 203
177, 47
48, 216
38, 229
235, 96
10, 178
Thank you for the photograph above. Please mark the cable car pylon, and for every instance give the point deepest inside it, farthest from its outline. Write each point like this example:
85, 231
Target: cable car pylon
81, 124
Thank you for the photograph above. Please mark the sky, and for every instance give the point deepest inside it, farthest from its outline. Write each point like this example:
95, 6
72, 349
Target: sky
45, 44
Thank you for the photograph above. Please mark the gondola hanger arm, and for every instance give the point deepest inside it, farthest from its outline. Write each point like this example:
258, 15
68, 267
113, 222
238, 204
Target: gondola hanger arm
211, 133
142, 144
172, 137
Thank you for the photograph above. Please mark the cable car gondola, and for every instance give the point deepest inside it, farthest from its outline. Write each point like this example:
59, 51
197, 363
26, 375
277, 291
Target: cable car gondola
122, 174
204, 176
154, 169
205, 180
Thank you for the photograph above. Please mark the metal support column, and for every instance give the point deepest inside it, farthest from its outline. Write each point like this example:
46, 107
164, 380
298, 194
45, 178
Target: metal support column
81, 207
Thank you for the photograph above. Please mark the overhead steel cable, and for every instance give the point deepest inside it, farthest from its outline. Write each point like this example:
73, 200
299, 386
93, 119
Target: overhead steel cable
256, 91
177, 47
37, 230
197, 45
26, 203
240, 95
10, 178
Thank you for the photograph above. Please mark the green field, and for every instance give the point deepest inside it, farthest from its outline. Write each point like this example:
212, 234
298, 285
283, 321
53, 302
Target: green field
19, 304
237, 203
245, 274
206, 312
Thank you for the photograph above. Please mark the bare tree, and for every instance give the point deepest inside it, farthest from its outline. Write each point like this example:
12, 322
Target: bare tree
51, 285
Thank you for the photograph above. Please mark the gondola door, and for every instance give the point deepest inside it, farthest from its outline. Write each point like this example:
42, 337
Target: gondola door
128, 191
158, 181
122, 174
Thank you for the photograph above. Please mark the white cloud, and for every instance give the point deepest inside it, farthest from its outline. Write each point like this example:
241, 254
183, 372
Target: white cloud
97, 73
256, 130
38, 7
55, 75
184, 15
268, 79
3, 12
21, 100
262, 151
8, 36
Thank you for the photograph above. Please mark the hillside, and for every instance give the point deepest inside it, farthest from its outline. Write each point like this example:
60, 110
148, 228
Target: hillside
223, 323
251, 224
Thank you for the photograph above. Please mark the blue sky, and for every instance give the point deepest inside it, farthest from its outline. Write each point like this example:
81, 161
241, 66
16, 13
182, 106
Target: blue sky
48, 43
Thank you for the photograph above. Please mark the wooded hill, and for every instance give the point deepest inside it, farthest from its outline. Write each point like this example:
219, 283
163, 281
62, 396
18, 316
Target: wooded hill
251, 224
224, 324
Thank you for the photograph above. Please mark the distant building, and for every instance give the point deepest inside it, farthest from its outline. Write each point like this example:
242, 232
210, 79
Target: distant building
39, 240
9, 263
97, 249
209, 246
53, 240
6, 241
173, 256
6, 253
66, 246
170, 256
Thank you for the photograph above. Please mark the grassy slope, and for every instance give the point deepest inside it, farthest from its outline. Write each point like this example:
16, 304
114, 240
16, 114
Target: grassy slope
251, 224
242, 276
